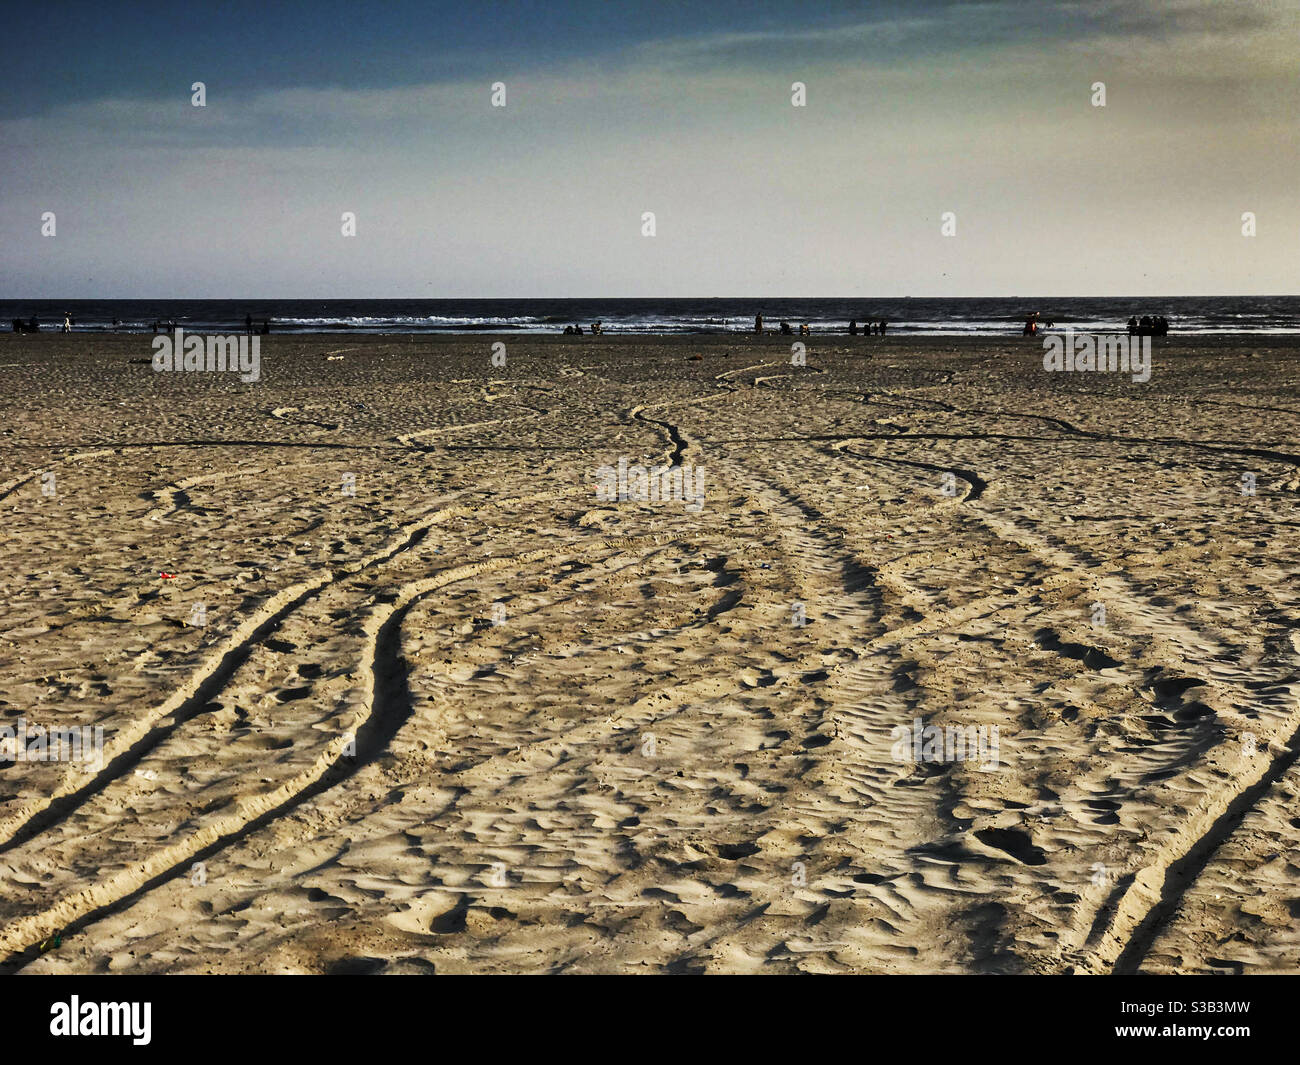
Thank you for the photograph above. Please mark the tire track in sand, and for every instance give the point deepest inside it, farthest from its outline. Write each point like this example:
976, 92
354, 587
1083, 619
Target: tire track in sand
372, 725
130, 743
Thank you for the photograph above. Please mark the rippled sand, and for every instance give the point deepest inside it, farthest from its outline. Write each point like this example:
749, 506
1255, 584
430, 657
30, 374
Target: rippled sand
416, 699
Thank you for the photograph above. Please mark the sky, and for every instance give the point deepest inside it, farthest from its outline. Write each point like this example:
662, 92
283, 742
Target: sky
981, 113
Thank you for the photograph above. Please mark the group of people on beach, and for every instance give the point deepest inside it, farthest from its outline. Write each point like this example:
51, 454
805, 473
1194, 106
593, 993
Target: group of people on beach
32, 325
1149, 325
785, 329
869, 328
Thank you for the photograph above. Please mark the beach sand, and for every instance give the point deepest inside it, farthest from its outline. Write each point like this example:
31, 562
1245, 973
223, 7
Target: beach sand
468, 717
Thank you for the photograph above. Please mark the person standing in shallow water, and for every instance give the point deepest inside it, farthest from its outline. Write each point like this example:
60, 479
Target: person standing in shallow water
758, 324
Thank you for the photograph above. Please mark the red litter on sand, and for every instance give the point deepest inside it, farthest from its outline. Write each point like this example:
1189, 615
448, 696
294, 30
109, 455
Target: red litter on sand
167, 576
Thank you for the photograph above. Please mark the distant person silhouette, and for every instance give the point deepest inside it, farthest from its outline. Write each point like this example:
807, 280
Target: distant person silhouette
758, 323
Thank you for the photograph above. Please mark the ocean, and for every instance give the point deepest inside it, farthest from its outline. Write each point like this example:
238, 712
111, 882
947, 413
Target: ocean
989, 316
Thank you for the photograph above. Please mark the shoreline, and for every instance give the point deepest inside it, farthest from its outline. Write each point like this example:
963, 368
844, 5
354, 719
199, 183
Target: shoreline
648, 335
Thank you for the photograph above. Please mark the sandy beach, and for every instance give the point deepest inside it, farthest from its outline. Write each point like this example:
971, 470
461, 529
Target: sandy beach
415, 696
